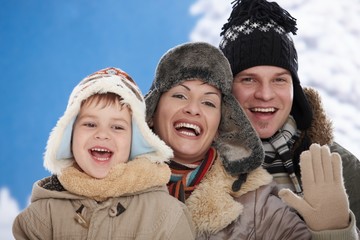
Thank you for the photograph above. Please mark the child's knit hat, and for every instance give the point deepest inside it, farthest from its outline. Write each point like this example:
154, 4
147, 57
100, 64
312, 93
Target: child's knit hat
58, 154
237, 143
258, 33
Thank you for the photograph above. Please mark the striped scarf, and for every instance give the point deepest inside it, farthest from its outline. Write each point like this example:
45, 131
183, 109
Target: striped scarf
278, 157
185, 177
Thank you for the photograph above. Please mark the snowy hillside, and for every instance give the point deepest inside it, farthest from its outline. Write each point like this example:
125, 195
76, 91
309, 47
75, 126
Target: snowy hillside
329, 54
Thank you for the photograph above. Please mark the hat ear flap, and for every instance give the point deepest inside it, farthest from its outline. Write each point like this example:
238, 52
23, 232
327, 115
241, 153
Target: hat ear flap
301, 110
238, 143
139, 145
64, 150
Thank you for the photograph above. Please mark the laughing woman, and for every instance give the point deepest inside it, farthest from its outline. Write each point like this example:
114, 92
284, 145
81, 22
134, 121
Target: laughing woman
216, 169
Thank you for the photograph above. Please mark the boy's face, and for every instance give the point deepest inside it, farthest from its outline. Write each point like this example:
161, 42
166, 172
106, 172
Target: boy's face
266, 95
101, 137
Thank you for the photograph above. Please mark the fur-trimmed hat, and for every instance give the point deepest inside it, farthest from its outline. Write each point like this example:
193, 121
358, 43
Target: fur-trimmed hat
238, 144
58, 154
258, 33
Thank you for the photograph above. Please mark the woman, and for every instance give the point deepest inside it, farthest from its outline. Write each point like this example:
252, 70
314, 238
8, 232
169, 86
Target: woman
216, 169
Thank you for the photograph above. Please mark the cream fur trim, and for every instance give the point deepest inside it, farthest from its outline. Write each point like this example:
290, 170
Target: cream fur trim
131, 177
212, 205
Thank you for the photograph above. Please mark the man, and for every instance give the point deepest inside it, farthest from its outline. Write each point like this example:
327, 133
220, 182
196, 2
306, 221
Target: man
256, 40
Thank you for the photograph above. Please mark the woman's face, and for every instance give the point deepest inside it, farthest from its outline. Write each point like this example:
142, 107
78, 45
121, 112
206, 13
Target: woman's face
187, 118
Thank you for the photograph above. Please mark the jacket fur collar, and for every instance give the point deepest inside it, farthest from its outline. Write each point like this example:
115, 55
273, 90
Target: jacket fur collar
321, 130
128, 178
212, 204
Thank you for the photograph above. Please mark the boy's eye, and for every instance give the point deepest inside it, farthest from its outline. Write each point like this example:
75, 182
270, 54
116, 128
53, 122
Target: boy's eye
89, 124
118, 127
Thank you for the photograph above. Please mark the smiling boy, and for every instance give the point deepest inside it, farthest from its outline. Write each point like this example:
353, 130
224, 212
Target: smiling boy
109, 171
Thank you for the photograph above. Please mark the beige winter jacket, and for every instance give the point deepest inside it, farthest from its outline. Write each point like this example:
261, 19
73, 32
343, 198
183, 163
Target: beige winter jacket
149, 213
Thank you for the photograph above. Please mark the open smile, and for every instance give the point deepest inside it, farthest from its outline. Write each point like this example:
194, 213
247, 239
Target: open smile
188, 129
100, 154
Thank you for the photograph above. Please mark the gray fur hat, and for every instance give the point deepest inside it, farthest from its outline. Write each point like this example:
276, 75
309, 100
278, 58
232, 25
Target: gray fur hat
237, 143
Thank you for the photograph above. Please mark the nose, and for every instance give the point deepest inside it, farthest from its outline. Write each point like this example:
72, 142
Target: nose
192, 108
264, 92
102, 134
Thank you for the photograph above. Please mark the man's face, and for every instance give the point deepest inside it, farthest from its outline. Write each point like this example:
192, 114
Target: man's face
266, 94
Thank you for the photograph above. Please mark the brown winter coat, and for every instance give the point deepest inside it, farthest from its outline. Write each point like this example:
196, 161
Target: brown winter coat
149, 213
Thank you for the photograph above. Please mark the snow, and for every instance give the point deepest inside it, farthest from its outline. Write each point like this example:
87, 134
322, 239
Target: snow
8, 211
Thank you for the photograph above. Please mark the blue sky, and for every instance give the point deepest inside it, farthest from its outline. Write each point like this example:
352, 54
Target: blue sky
47, 47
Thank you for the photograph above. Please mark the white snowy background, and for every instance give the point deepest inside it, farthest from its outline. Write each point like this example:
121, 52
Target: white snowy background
329, 60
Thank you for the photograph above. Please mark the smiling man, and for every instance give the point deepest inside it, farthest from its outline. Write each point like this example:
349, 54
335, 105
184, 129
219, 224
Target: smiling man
257, 42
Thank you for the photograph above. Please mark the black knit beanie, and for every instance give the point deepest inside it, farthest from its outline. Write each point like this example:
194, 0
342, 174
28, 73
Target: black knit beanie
258, 33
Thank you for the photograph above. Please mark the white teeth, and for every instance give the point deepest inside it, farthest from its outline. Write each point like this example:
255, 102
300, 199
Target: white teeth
188, 133
102, 159
100, 150
189, 125
263, 109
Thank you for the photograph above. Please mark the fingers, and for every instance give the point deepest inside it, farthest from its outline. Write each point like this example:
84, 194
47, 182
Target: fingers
337, 167
307, 172
317, 165
327, 164
293, 200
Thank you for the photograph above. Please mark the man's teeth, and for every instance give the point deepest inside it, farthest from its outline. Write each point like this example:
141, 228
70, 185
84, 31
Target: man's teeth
263, 110
189, 125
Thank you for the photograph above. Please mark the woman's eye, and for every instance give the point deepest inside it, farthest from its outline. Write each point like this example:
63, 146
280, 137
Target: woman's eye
210, 104
180, 96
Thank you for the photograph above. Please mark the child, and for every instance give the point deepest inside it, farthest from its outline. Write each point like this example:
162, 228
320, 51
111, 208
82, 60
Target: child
109, 171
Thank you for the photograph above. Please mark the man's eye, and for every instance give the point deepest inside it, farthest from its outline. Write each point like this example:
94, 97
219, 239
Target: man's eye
247, 79
280, 80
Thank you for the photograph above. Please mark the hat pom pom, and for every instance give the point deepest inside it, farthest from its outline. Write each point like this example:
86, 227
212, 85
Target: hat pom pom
260, 10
